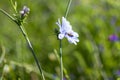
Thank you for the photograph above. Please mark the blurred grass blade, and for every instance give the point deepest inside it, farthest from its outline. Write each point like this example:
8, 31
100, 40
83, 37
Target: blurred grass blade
2, 55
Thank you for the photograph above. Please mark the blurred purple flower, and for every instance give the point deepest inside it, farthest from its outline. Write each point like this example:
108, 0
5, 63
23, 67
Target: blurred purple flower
113, 37
66, 31
64, 78
55, 77
117, 72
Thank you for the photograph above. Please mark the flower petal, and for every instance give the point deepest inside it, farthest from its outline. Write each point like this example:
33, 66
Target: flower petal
61, 36
72, 39
65, 24
66, 31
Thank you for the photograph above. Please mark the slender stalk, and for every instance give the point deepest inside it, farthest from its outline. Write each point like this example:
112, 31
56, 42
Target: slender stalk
61, 62
4, 12
32, 50
64, 70
68, 7
14, 5
27, 40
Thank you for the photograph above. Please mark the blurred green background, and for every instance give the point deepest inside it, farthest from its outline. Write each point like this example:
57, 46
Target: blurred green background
94, 58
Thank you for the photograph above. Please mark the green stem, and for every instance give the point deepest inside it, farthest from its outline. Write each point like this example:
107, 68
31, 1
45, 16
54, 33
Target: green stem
61, 62
64, 70
14, 5
4, 12
68, 7
32, 50
27, 40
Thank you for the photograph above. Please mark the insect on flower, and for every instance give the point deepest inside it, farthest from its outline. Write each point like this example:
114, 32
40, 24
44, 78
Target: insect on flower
66, 31
69, 34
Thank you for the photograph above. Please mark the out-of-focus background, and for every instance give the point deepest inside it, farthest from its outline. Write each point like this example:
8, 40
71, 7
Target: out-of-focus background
95, 57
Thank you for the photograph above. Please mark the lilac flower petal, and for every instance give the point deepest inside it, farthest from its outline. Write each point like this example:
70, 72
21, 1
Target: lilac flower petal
75, 34
61, 36
72, 39
21, 12
66, 25
66, 31
24, 11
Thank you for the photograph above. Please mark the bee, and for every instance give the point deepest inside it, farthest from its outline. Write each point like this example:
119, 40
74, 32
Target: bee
69, 34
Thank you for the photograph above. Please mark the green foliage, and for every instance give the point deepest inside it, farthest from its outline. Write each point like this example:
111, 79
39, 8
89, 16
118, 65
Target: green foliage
94, 58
